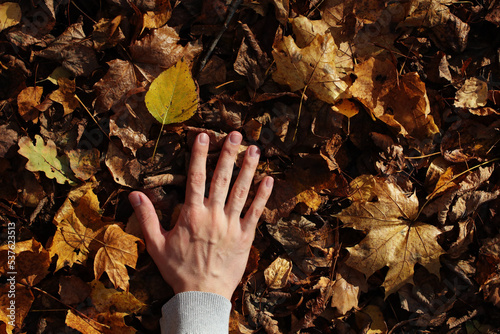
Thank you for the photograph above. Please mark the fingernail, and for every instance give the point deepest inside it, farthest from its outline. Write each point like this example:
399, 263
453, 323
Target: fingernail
135, 199
203, 138
269, 182
235, 138
254, 151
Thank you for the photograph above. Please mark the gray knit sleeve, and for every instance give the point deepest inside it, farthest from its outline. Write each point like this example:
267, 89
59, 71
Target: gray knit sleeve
195, 312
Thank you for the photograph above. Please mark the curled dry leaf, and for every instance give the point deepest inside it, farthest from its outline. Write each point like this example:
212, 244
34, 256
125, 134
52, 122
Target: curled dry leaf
125, 171
312, 67
304, 242
473, 94
27, 101
24, 298
467, 139
119, 249
8, 138
107, 33
394, 238
277, 273
65, 95
84, 163
30, 262
74, 50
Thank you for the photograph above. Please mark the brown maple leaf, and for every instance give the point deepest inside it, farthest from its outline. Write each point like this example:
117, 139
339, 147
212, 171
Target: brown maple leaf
119, 249
394, 238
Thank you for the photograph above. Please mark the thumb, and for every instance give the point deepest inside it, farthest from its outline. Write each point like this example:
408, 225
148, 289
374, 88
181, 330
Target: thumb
148, 219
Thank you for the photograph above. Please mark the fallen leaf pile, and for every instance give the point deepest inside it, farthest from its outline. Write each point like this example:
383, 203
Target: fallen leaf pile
379, 121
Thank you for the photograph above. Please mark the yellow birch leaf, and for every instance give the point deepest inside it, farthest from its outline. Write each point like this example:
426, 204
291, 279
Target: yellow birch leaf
120, 249
10, 15
394, 238
172, 97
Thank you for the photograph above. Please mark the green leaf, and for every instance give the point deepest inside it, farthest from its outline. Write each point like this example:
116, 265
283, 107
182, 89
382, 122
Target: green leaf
172, 97
44, 158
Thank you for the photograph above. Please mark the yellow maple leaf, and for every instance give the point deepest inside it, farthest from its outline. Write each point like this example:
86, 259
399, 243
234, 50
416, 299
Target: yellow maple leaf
312, 66
77, 226
119, 249
394, 238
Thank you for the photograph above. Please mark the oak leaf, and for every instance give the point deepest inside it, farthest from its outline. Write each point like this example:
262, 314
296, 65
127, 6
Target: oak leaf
43, 157
172, 97
394, 238
312, 66
119, 249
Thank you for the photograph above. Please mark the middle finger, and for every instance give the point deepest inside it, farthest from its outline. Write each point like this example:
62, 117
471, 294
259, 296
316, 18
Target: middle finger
223, 172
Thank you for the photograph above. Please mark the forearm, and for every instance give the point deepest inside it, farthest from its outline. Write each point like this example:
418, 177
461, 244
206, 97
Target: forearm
195, 312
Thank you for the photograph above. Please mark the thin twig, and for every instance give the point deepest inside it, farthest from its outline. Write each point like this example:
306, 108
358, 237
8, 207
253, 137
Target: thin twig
230, 13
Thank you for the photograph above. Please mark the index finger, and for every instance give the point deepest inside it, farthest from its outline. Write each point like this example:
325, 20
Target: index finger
195, 188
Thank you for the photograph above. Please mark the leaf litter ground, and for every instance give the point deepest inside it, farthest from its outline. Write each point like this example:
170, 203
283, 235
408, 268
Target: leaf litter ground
378, 120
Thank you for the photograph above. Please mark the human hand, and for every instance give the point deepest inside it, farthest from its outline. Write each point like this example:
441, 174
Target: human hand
208, 248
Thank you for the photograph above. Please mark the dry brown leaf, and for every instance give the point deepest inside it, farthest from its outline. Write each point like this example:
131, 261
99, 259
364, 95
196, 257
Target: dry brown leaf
74, 50
8, 138
27, 101
401, 103
467, 139
277, 273
301, 187
107, 33
312, 66
65, 95
393, 238
77, 225
472, 94
84, 163
299, 236
371, 320
113, 87
83, 325
110, 300
125, 170
28, 259
119, 249
158, 17
73, 290
23, 300
160, 50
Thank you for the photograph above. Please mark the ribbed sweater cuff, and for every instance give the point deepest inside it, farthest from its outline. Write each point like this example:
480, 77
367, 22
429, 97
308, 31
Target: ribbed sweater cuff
196, 312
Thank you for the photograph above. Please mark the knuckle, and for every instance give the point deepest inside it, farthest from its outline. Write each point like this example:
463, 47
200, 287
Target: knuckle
221, 180
197, 178
240, 192
256, 212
